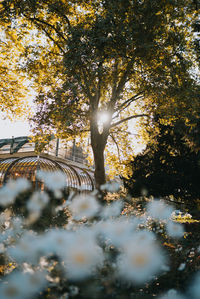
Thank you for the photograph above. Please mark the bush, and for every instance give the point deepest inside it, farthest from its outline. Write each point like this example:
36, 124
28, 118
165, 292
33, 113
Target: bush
168, 168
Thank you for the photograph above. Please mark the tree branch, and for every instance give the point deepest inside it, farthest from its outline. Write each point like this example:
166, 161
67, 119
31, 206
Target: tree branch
55, 42
98, 87
116, 90
49, 25
64, 16
123, 78
118, 151
129, 101
87, 89
114, 80
128, 118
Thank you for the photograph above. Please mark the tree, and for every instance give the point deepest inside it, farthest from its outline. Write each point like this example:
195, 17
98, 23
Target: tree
169, 168
13, 85
123, 58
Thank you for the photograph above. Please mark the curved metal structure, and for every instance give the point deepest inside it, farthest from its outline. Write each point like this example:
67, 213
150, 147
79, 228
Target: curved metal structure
28, 166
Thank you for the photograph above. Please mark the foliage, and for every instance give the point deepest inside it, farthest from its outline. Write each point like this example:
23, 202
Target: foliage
169, 167
125, 58
85, 258
13, 85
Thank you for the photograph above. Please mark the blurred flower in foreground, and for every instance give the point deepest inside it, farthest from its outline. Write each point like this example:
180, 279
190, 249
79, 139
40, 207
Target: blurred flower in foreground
36, 204
20, 285
112, 210
54, 181
82, 256
194, 291
140, 261
55, 241
27, 250
19, 185
116, 231
111, 187
172, 294
143, 237
159, 210
9, 192
174, 230
84, 206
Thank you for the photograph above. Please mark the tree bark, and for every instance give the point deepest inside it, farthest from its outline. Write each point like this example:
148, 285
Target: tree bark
98, 143
99, 173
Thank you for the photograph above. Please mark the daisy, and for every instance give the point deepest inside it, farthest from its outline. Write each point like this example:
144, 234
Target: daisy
27, 249
84, 206
55, 241
18, 186
112, 210
172, 294
194, 290
9, 192
82, 256
111, 186
54, 181
37, 201
116, 231
20, 285
159, 210
140, 261
143, 237
174, 230
6, 197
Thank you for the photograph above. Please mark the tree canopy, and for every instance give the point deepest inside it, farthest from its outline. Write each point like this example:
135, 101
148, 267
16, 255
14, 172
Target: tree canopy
125, 58
13, 85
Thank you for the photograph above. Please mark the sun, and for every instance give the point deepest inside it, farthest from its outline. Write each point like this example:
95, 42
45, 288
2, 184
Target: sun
103, 117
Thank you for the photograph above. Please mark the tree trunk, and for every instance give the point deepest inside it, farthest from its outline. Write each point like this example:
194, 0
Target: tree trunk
99, 173
98, 143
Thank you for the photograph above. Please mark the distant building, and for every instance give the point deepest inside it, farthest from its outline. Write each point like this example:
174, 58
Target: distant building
19, 159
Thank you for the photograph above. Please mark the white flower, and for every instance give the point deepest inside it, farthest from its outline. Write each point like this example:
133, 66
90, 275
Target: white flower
6, 197
35, 205
22, 285
174, 229
53, 180
112, 210
9, 192
2, 248
143, 237
82, 256
37, 201
117, 231
140, 261
27, 250
172, 294
84, 206
111, 187
19, 185
194, 290
55, 241
159, 210
181, 267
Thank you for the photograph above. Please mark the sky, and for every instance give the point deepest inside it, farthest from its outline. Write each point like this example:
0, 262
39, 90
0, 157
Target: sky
13, 128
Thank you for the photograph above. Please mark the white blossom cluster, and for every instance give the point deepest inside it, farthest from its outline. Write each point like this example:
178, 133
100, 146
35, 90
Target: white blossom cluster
84, 247
11, 190
160, 211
